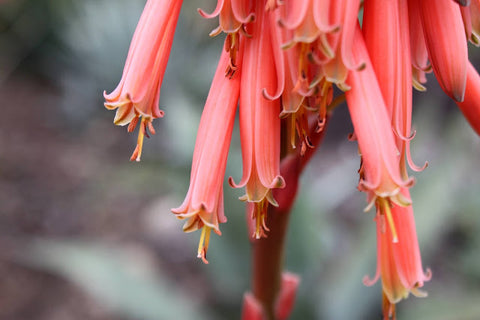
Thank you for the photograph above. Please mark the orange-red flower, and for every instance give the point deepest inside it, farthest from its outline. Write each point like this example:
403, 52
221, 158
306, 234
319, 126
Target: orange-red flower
343, 13
418, 49
398, 257
203, 205
386, 32
259, 120
233, 16
446, 43
138, 93
380, 172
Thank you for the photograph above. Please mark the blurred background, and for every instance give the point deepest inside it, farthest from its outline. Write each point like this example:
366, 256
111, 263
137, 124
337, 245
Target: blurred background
86, 234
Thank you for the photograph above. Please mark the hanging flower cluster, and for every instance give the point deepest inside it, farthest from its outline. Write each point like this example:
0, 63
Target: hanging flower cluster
280, 64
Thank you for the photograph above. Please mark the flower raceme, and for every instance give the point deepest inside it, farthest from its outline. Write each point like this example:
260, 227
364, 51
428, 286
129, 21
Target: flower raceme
138, 93
280, 62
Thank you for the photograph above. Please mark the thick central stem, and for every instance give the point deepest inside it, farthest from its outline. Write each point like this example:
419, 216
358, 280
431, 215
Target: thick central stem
268, 255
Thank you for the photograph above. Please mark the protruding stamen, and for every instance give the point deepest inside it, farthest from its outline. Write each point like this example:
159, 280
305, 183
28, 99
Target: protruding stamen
137, 153
388, 308
145, 124
203, 244
231, 46
385, 209
260, 215
133, 124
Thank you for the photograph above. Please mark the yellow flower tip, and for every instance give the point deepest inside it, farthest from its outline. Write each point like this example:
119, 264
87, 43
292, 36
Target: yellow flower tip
418, 85
203, 244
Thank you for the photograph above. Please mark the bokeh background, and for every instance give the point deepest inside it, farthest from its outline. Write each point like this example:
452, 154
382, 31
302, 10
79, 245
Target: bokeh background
86, 234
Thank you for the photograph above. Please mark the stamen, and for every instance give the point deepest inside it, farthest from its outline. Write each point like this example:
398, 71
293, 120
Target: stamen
385, 209
203, 244
293, 131
302, 66
137, 153
133, 124
231, 46
388, 308
260, 215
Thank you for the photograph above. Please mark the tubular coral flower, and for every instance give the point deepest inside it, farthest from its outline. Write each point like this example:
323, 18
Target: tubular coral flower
233, 17
203, 205
380, 173
382, 38
446, 44
398, 256
138, 93
259, 121
470, 16
344, 13
307, 18
386, 31
475, 21
470, 107
419, 53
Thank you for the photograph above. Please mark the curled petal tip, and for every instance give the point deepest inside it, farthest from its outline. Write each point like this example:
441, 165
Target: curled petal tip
367, 281
268, 96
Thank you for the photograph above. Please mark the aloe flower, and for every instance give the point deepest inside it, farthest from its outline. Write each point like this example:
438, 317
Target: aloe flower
138, 93
419, 53
386, 30
259, 121
380, 172
446, 43
399, 264
233, 16
203, 205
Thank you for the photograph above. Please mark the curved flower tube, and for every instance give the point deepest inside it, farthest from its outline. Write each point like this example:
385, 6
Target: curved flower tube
138, 93
203, 205
380, 173
259, 120
446, 44
386, 30
398, 256
233, 16
419, 53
